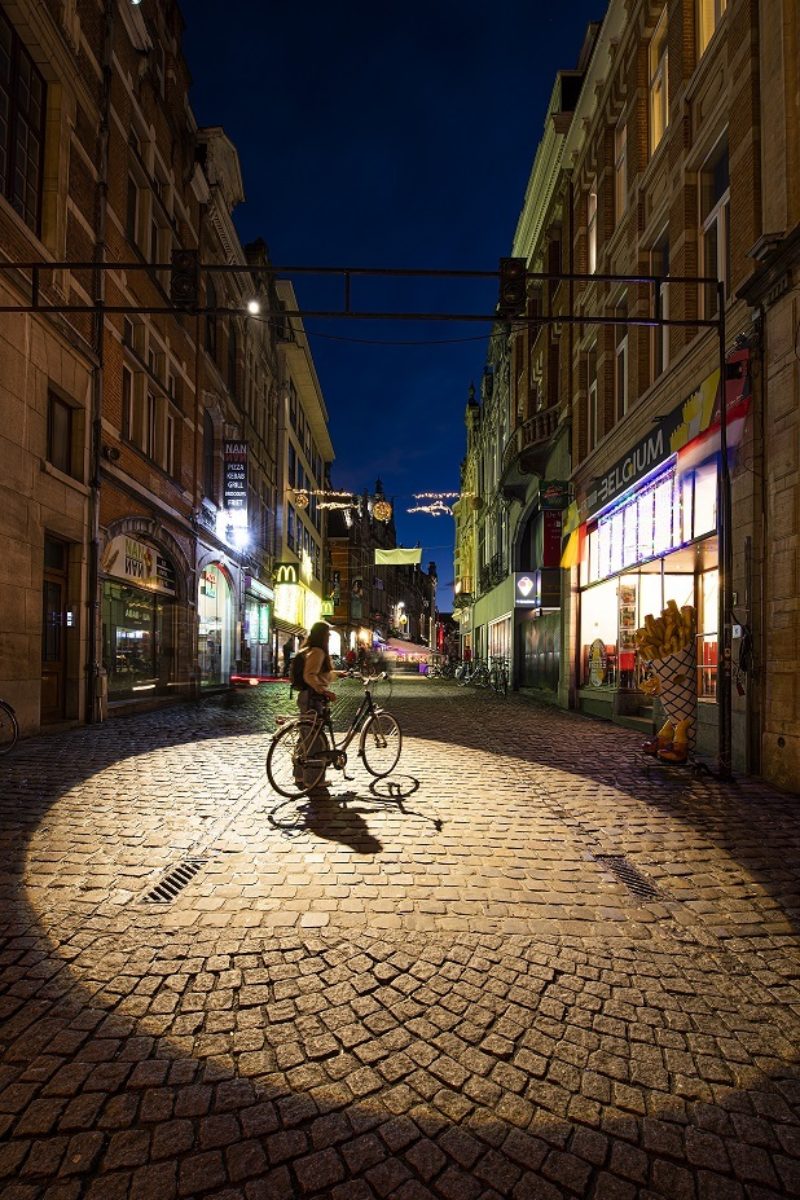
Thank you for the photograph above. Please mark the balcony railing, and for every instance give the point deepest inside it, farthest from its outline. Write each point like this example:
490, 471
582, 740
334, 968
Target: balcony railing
529, 438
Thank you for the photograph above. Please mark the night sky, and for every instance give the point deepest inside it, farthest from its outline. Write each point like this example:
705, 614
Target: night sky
386, 135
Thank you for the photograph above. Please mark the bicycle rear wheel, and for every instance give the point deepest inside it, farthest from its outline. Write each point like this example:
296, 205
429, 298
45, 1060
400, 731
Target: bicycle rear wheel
297, 758
9, 729
381, 743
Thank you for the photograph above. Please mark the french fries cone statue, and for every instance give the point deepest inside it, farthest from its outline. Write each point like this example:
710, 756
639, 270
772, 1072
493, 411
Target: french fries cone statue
667, 645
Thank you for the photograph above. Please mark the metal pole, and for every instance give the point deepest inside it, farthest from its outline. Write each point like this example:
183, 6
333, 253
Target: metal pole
724, 531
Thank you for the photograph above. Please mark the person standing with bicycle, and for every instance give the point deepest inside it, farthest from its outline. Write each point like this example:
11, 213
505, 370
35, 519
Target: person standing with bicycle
312, 673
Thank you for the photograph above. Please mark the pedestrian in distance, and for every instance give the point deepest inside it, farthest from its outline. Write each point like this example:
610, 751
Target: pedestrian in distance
288, 650
350, 659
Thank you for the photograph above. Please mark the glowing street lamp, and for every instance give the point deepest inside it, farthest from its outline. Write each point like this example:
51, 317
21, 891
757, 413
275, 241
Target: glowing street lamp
253, 306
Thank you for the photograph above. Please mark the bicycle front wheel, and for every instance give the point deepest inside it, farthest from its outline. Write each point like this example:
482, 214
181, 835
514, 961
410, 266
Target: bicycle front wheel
381, 743
297, 758
9, 729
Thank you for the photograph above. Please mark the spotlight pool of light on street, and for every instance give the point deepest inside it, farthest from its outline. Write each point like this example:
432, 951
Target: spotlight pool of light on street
253, 307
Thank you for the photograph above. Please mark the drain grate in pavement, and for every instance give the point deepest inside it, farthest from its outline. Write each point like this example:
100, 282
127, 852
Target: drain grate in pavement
168, 888
627, 874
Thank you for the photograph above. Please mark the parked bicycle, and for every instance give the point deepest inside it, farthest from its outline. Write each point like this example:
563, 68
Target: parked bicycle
475, 672
9, 729
303, 747
498, 675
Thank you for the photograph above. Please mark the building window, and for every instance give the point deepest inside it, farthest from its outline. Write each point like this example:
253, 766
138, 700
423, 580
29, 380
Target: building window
169, 444
659, 265
290, 527
659, 85
710, 14
592, 423
621, 369
127, 403
620, 170
132, 211
211, 320
208, 455
715, 206
151, 415
22, 120
59, 433
591, 231
292, 466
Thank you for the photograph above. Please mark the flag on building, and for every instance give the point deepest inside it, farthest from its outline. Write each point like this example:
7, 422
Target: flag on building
398, 557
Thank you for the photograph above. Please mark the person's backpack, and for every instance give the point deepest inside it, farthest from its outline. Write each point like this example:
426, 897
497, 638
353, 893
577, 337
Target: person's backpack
296, 668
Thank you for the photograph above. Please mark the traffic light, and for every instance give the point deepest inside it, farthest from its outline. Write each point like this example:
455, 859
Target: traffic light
513, 287
184, 280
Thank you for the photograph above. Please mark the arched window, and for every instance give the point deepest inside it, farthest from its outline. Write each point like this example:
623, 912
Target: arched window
208, 455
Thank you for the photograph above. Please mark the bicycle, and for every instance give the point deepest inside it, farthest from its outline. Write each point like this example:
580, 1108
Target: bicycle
9, 728
498, 675
305, 746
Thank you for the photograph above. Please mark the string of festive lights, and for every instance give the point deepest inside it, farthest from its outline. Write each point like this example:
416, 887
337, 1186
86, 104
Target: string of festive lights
435, 509
436, 495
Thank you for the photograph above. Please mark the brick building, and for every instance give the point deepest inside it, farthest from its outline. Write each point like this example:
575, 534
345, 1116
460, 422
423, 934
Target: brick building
658, 167
141, 464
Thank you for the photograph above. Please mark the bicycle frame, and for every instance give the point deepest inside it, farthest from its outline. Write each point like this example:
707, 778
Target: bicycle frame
367, 708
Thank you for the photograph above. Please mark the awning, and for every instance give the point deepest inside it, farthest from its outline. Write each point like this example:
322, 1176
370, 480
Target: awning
287, 627
407, 649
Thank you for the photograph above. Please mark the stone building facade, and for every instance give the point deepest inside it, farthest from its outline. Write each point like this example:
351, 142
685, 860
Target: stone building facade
141, 460
660, 174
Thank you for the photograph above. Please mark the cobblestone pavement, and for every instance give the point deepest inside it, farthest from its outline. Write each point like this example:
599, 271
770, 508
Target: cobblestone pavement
519, 968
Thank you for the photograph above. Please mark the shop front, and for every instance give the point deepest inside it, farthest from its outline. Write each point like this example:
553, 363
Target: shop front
216, 627
139, 618
257, 653
651, 536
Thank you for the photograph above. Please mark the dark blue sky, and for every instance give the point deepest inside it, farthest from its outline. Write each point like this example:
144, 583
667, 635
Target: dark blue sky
387, 135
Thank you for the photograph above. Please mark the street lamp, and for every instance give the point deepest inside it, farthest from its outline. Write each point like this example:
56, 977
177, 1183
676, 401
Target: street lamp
253, 306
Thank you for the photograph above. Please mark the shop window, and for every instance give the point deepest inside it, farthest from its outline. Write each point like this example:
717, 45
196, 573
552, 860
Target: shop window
620, 170
60, 434
715, 208
705, 499
591, 232
658, 59
215, 626
659, 265
710, 13
22, 124
708, 618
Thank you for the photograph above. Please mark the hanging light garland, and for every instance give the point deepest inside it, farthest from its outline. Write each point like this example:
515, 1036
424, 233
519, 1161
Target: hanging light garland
437, 508
436, 495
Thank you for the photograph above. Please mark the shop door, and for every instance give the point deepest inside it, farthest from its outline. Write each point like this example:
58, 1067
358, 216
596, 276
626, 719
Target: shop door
54, 590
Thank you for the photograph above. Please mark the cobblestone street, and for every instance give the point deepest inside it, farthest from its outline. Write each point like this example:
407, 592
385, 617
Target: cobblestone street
520, 967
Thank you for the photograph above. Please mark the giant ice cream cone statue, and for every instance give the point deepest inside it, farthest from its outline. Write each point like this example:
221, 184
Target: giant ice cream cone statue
667, 645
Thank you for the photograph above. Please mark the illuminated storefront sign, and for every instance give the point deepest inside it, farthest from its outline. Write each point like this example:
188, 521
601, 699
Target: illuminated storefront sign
138, 563
285, 573
235, 477
525, 591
